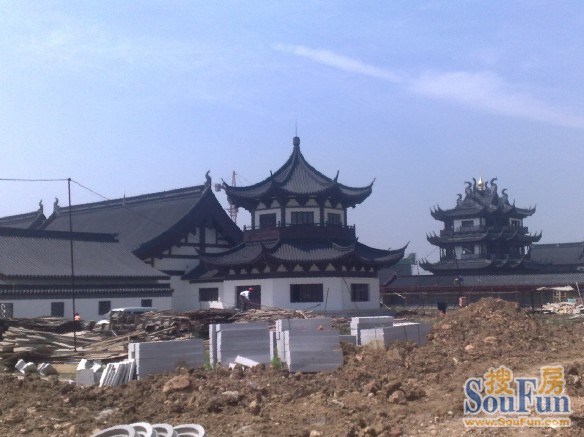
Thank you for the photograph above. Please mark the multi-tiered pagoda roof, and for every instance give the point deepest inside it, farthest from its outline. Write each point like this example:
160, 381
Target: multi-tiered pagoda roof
299, 180
483, 232
283, 246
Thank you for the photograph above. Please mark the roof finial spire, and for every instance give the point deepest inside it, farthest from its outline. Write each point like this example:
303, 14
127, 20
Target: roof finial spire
296, 140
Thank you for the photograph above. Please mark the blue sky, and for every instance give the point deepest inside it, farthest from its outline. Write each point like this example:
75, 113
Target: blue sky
134, 97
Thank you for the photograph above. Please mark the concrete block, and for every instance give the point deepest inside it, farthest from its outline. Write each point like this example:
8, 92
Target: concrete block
309, 345
164, 356
405, 331
20, 364
85, 377
301, 325
46, 369
359, 323
251, 340
83, 364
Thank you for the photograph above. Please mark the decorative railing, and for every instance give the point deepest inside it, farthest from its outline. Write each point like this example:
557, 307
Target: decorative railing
481, 228
467, 256
308, 231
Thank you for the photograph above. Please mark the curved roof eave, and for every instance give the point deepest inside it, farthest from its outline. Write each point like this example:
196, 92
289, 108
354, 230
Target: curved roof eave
209, 203
296, 178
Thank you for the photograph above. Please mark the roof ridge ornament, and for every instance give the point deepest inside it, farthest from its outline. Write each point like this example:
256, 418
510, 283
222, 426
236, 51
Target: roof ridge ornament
480, 184
296, 142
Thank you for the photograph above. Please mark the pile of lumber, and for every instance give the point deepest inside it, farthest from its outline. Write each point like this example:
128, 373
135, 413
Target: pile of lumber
19, 342
271, 315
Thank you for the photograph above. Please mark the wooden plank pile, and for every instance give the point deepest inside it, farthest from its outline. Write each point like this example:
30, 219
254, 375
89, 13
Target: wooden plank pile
271, 315
19, 342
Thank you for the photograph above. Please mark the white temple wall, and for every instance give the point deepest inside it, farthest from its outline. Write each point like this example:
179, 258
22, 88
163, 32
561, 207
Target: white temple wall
88, 308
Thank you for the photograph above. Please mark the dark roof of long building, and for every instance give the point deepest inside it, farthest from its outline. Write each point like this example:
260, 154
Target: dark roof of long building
425, 282
296, 178
302, 251
480, 199
47, 254
145, 223
558, 253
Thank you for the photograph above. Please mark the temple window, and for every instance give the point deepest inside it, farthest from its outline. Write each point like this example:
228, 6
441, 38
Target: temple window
467, 224
333, 219
103, 306
208, 294
302, 218
359, 292
57, 309
268, 220
515, 223
306, 293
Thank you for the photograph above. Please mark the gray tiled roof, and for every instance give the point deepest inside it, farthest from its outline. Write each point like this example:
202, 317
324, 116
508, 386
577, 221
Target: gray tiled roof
135, 219
140, 220
559, 253
484, 281
297, 178
43, 254
301, 251
82, 291
23, 221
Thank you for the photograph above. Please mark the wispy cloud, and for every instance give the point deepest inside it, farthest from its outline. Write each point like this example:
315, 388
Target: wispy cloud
340, 62
482, 90
485, 90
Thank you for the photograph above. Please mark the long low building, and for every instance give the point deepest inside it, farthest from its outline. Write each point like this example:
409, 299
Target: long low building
526, 289
39, 277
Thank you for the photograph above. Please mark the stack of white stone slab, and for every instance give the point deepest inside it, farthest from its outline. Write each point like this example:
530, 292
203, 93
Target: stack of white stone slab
308, 345
359, 323
227, 341
405, 331
116, 374
157, 357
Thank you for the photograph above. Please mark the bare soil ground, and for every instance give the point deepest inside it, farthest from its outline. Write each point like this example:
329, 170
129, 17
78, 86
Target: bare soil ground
403, 390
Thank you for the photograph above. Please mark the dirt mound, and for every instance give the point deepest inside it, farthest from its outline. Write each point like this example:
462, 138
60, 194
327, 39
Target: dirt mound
489, 328
404, 389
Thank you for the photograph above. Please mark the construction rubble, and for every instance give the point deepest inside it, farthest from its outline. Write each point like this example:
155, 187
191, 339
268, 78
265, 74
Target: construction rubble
563, 308
297, 377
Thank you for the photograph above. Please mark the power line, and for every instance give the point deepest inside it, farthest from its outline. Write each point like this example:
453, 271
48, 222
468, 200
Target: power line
90, 190
34, 180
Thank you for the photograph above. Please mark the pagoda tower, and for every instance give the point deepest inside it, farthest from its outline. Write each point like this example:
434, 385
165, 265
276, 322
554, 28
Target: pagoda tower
483, 233
300, 250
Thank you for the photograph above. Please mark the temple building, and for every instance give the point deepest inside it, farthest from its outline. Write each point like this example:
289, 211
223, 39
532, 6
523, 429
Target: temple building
162, 232
300, 251
483, 234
